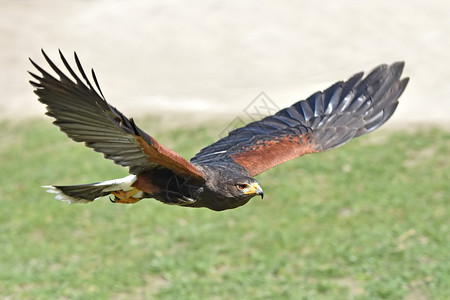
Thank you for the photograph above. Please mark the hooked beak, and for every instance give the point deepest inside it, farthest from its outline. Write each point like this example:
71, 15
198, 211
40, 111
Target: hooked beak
255, 189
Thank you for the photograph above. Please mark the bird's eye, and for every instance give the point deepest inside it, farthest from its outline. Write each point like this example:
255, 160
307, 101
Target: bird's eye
242, 186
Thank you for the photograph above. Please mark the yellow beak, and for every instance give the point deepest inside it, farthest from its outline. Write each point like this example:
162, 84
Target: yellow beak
255, 189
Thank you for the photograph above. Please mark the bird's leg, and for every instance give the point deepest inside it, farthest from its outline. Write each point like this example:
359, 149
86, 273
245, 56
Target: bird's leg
124, 197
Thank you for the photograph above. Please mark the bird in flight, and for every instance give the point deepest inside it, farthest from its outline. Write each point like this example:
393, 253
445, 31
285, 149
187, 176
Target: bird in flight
220, 176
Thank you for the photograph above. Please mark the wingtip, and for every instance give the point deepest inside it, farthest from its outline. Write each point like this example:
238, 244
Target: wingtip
76, 56
61, 55
402, 84
33, 63
398, 66
400, 63
45, 54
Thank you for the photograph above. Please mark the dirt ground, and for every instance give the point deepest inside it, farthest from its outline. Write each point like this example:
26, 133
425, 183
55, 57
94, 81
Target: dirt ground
212, 58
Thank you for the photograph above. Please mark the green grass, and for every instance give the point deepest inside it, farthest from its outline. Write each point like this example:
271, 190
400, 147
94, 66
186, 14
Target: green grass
369, 220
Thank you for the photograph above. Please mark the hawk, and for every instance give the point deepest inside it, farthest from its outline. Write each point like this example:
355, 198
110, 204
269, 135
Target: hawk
220, 176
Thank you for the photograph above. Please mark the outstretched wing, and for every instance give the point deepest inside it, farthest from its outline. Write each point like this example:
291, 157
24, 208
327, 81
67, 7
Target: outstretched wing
324, 121
85, 116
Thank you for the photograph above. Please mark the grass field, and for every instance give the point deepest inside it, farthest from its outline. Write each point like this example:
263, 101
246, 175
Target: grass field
369, 220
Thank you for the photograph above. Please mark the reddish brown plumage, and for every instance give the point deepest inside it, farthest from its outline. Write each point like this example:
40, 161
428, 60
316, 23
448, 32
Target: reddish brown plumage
165, 157
146, 184
266, 154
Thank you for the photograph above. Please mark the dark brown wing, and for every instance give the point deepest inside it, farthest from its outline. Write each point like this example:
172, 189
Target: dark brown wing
85, 116
324, 121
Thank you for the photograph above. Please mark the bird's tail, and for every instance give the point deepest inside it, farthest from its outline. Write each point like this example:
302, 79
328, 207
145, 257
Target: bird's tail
85, 193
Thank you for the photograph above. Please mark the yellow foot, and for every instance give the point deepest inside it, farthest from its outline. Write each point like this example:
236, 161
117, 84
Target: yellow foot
125, 197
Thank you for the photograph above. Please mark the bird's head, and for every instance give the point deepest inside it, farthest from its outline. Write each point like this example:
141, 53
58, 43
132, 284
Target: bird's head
247, 187
226, 189
234, 192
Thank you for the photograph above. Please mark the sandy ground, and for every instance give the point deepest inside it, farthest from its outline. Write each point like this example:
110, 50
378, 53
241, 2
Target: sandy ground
212, 58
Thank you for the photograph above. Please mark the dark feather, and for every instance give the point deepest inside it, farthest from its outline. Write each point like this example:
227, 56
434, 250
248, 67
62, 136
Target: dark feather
85, 116
329, 119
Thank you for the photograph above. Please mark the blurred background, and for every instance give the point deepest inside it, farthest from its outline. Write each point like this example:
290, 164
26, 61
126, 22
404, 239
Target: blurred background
369, 220
211, 58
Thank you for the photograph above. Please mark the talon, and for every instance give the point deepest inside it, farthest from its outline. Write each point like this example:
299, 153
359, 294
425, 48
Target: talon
124, 197
131, 193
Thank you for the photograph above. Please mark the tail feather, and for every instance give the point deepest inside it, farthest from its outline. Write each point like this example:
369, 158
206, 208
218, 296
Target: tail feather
85, 193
